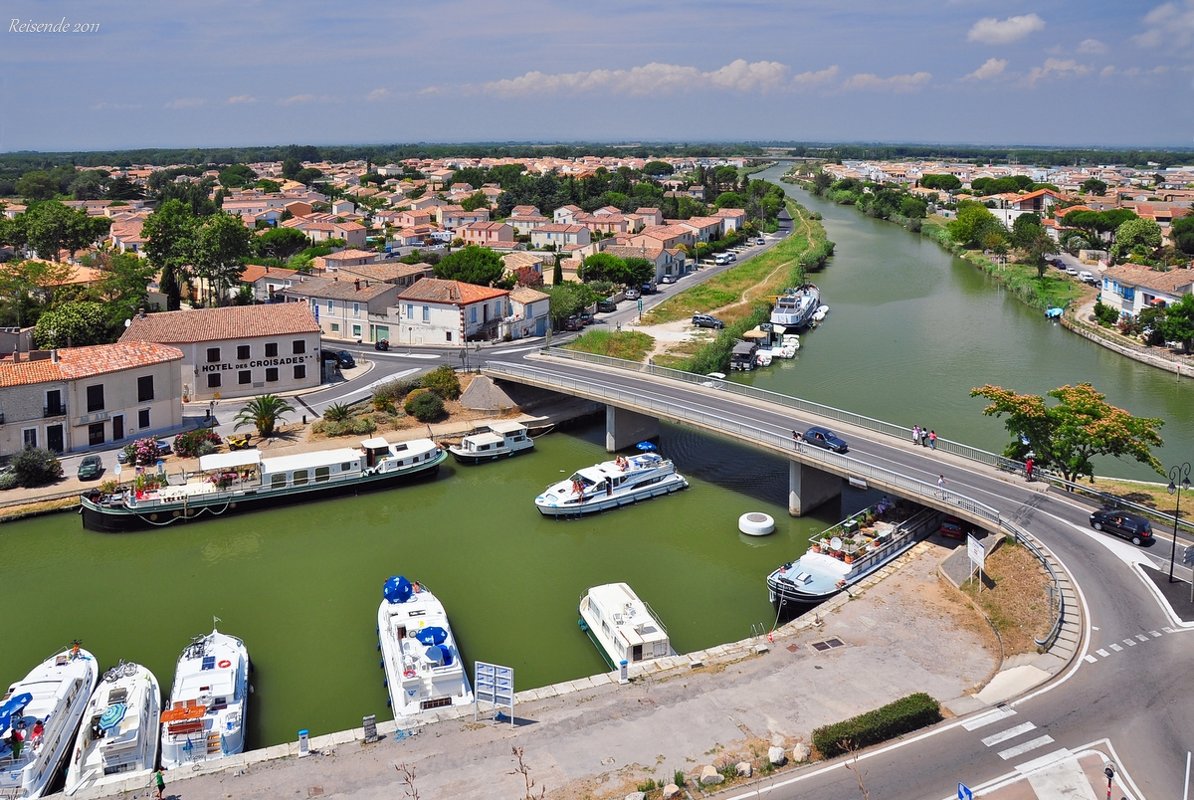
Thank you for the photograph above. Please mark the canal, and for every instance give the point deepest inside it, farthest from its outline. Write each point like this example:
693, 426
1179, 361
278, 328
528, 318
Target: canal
912, 329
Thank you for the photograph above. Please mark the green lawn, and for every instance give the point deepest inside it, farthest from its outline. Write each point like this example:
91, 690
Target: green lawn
630, 345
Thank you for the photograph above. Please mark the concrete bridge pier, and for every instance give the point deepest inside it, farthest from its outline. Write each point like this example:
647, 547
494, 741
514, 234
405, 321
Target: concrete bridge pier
809, 487
624, 428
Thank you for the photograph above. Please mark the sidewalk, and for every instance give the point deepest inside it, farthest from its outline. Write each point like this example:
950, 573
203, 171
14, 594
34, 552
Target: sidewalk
1079, 777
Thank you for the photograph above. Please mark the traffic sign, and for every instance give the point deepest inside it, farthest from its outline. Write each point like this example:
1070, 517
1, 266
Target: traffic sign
1188, 556
964, 792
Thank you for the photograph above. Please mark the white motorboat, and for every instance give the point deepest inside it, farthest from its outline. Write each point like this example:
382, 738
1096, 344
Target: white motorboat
820, 314
610, 484
43, 711
623, 626
763, 357
795, 307
119, 735
209, 701
424, 669
494, 440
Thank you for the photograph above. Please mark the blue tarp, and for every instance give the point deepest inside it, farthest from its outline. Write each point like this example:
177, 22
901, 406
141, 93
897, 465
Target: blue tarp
13, 706
397, 589
432, 635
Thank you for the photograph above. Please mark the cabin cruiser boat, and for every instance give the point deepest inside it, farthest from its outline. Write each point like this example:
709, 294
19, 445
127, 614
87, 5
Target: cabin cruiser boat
620, 482
424, 670
209, 701
795, 307
43, 711
119, 735
494, 440
622, 626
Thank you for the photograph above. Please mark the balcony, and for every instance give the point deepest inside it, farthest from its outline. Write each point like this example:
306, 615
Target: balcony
54, 411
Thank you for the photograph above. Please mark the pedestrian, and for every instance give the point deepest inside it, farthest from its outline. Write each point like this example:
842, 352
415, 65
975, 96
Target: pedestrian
16, 741
797, 438
159, 782
932, 440
941, 485
924, 436
915, 434
39, 730
1028, 465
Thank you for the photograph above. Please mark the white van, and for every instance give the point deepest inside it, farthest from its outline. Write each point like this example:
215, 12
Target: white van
1086, 276
722, 258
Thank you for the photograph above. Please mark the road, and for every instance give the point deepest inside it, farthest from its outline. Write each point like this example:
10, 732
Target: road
1130, 685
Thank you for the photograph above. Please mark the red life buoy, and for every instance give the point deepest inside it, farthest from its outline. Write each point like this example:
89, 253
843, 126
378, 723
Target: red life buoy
225, 664
408, 672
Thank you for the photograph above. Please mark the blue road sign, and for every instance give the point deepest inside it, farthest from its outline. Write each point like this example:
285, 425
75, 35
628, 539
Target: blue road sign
964, 792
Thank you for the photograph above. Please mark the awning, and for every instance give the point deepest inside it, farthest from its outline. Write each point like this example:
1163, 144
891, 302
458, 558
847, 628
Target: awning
220, 461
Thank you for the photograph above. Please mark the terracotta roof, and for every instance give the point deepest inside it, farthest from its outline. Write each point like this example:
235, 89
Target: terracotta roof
350, 254
527, 295
385, 271
332, 289
1175, 281
83, 362
231, 322
436, 290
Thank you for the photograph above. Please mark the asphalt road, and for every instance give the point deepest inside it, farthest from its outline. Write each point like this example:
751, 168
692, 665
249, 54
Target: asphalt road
1139, 696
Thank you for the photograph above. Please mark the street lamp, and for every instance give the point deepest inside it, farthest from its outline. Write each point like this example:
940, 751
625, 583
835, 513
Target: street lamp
1179, 478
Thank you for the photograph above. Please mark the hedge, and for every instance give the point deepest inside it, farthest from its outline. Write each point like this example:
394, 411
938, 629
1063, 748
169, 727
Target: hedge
894, 719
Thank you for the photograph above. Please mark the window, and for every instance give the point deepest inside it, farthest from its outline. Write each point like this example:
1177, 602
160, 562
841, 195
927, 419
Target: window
95, 434
143, 419
244, 376
356, 331
335, 327
213, 380
331, 306
448, 334
242, 352
300, 371
410, 310
95, 398
298, 346
271, 350
426, 314
472, 313
277, 480
271, 374
29, 437
300, 477
322, 474
356, 309
144, 389
213, 355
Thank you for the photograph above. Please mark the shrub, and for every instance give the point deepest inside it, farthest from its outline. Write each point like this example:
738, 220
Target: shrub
894, 719
425, 406
143, 452
1106, 315
391, 392
337, 412
198, 442
35, 466
443, 381
8, 481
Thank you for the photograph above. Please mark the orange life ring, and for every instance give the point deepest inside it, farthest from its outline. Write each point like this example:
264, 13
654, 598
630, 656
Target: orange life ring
224, 664
408, 673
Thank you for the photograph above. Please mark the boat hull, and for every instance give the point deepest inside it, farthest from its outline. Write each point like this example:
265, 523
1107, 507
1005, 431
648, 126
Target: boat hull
825, 583
480, 458
595, 504
108, 519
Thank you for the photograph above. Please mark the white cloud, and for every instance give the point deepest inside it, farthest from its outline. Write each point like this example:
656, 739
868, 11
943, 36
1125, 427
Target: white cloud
1133, 72
653, 78
1091, 47
380, 93
185, 102
1107, 71
300, 99
1170, 25
909, 82
989, 30
818, 78
241, 99
991, 68
106, 106
1057, 68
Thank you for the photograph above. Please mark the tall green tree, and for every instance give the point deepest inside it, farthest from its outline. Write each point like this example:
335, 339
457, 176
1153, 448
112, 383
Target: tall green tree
280, 242
74, 324
25, 288
51, 227
1065, 436
263, 412
1094, 186
1182, 234
1136, 237
1178, 325
170, 243
37, 185
974, 226
124, 287
222, 243
472, 264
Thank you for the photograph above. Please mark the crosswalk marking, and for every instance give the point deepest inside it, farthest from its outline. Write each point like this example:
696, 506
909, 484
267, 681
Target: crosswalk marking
1090, 659
1043, 761
1130, 642
1010, 733
1155, 634
1167, 629
1102, 652
1115, 647
1140, 637
989, 717
1020, 749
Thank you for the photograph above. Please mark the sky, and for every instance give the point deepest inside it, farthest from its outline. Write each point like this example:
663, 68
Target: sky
249, 72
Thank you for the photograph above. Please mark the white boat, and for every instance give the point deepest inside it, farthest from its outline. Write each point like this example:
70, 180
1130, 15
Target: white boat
119, 735
45, 709
795, 307
764, 358
209, 701
494, 440
820, 313
610, 484
623, 626
424, 669
848, 552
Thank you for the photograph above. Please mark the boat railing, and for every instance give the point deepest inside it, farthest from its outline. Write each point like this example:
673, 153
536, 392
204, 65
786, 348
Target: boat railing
910, 529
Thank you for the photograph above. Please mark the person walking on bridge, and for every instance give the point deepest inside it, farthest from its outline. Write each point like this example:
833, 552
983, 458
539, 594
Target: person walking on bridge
915, 434
932, 440
941, 486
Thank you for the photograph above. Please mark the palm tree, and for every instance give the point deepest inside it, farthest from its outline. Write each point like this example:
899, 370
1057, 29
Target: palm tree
264, 412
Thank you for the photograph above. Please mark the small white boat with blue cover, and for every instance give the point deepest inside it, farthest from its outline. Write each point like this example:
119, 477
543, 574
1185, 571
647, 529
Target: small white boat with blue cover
119, 735
625, 480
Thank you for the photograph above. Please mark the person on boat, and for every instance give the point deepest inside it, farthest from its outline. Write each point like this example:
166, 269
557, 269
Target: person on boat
609, 486
622, 462
39, 730
16, 740
415, 587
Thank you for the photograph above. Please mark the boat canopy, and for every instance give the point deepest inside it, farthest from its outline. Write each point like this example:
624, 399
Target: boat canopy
12, 706
484, 438
318, 458
505, 426
397, 589
234, 460
376, 443
433, 634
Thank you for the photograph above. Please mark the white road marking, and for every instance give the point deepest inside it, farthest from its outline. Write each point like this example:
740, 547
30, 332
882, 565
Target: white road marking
517, 350
1021, 749
1102, 652
1115, 647
1130, 642
1140, 637
372, 386
989, 717
1167, 629
1043, 761
1090, 659
1010, 733
1066, 778
1155, 634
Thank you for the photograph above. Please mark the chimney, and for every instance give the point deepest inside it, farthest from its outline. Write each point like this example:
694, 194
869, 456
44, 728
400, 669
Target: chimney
54, 355
16, 354
357, 285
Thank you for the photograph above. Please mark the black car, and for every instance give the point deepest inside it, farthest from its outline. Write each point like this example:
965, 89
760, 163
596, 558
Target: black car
707, 321
343, 358
605, 306
381, 344
823, 437
1123, 524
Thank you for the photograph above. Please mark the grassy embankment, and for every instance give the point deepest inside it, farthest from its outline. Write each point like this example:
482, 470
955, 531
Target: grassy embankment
630, 345
1017, 604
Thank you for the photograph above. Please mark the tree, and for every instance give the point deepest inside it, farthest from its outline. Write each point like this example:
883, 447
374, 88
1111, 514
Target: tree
37, 185
442, 380
121, 188
170, 241
1024, 229
34, 466
603, 266
1178, 325
1136, 237
24, 284
474, 201
729, 200
89, 185
266, 185
821, 182
280, 243
949, 183
263, 412
124, 287
473, 264
974, 225
74, 324
1093, 186
221, 246
568, 298
657, 168
1182, 233
236, 176
51, 227
195, 195
1067, 435
639, 271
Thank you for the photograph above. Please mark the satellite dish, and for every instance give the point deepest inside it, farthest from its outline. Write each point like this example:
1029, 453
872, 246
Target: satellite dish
835, 543
128, 322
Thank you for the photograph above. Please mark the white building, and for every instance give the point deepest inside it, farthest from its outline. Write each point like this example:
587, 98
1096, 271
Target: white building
435, 311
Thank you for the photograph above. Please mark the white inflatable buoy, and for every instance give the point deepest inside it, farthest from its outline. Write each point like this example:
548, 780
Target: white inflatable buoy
756, 523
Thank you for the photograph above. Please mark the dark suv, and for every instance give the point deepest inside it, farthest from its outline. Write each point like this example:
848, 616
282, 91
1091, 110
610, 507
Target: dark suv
707, 321
823, 437
1123, 524
606, 306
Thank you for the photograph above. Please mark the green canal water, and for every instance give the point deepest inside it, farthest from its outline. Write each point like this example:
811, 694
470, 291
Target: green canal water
301, 585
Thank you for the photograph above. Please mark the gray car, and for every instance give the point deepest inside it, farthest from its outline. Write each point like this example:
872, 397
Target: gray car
707, 321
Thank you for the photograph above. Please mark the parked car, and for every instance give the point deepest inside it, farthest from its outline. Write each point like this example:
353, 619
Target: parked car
606, 306
343, 358
90, 468
1086, 276
823, 437
707, 321
760, 240
953, 528
1123, 524
573, 323
649, 288
722, 258
632, 294
381, 344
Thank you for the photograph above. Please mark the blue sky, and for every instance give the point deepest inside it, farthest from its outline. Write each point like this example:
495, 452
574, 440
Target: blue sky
232, 72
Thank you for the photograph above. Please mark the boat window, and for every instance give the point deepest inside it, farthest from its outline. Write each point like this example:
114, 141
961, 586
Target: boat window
345, 467
277, 481
322, 474
300, 477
